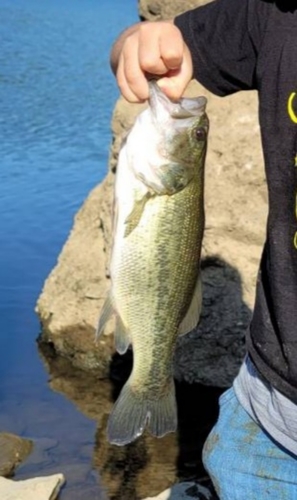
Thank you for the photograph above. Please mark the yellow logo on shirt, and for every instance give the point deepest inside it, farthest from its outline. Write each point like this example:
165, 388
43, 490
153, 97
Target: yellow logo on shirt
293, 117
291, 111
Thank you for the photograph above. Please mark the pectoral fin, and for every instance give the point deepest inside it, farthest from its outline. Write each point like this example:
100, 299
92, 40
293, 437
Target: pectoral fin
134, 217
191, 319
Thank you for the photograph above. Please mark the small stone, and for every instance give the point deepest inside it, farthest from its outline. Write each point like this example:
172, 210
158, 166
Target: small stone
14, 450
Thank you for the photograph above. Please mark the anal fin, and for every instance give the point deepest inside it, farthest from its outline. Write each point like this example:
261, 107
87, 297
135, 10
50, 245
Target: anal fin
106, 313
191, 319
121, 336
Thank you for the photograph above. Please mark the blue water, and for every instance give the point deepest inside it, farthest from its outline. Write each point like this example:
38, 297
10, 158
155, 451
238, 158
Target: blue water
56, 100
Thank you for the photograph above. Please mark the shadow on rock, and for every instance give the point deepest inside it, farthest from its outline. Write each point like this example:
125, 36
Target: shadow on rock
212, 353
206, 362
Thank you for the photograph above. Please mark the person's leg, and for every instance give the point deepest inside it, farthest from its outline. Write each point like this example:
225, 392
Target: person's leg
243, 462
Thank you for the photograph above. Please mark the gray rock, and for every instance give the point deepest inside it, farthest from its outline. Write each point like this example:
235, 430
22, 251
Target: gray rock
39, 488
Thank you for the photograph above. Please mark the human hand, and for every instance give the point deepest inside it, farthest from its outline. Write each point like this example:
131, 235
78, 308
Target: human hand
151, 49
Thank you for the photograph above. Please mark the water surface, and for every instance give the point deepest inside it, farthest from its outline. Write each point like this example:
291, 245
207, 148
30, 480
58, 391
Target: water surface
56, 100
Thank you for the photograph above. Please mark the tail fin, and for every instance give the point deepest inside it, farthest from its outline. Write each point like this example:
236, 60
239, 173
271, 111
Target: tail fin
133, 411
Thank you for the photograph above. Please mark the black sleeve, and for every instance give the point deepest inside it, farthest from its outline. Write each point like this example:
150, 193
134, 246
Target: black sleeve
223, 37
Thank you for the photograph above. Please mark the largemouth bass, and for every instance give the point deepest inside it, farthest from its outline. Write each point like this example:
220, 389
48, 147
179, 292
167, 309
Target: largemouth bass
155, 262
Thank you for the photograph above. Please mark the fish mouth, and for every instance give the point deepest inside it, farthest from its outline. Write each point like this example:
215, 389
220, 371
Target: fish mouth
162, 107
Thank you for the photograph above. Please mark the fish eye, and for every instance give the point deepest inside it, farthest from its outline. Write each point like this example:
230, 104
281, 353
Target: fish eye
200, 134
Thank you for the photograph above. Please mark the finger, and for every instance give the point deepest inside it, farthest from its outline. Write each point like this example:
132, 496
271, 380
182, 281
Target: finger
123, 84
176, 80
131, 77
149, 55
171, 47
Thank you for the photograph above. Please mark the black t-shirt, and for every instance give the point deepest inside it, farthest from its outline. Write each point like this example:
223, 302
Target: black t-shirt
244, 45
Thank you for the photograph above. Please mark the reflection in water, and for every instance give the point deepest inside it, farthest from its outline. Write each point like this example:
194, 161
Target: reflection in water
140, 469
149, 465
